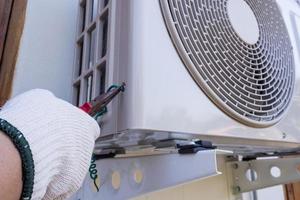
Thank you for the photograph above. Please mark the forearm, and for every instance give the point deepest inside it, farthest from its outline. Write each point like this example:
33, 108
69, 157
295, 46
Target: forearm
10, 170
50, 149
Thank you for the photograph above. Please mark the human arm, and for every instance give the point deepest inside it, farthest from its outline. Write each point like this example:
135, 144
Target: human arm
55, 141
10, 170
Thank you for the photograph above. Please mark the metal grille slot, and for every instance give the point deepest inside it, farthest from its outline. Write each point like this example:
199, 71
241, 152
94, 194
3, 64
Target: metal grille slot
251, 82
90, 74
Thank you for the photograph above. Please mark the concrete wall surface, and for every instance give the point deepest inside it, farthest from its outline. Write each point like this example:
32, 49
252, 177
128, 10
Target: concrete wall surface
46, 53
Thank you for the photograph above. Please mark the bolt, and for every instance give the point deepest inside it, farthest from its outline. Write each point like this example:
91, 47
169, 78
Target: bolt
284, 135
235, 166
237, 189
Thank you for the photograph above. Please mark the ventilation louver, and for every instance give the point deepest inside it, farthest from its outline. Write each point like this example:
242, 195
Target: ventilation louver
251, 80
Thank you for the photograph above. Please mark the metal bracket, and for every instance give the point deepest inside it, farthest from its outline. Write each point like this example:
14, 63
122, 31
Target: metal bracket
257, 174
124, 178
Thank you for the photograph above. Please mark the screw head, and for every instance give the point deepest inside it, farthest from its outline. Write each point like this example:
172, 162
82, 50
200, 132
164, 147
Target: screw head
237, 189
235, 166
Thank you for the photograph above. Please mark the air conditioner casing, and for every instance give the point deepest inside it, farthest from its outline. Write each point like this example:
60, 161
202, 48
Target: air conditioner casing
162, 98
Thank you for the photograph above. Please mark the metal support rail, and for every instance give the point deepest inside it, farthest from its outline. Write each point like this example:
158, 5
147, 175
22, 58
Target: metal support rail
124, 178
261, 173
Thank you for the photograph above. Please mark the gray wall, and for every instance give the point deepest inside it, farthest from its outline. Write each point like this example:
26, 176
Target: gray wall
47, 47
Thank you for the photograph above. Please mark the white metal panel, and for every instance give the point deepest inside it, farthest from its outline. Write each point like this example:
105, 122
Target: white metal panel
162, 96
158, 172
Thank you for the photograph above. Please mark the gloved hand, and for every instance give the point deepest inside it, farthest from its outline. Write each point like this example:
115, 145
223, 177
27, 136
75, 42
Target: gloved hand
60, 137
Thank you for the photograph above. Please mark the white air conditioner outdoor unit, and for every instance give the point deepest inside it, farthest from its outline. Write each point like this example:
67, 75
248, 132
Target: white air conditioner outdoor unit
220, 70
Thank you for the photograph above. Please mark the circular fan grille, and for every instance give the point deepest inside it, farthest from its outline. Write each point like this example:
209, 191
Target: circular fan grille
251, 82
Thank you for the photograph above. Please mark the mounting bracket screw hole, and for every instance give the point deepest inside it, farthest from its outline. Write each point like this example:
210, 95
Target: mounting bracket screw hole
138, 176
116, 180
275, 172
251, 175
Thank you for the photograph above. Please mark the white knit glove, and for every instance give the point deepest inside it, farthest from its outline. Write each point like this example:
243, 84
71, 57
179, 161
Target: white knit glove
61, 138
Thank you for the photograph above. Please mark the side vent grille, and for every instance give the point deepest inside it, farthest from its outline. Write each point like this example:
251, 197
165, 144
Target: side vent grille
91, 61
251, 80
